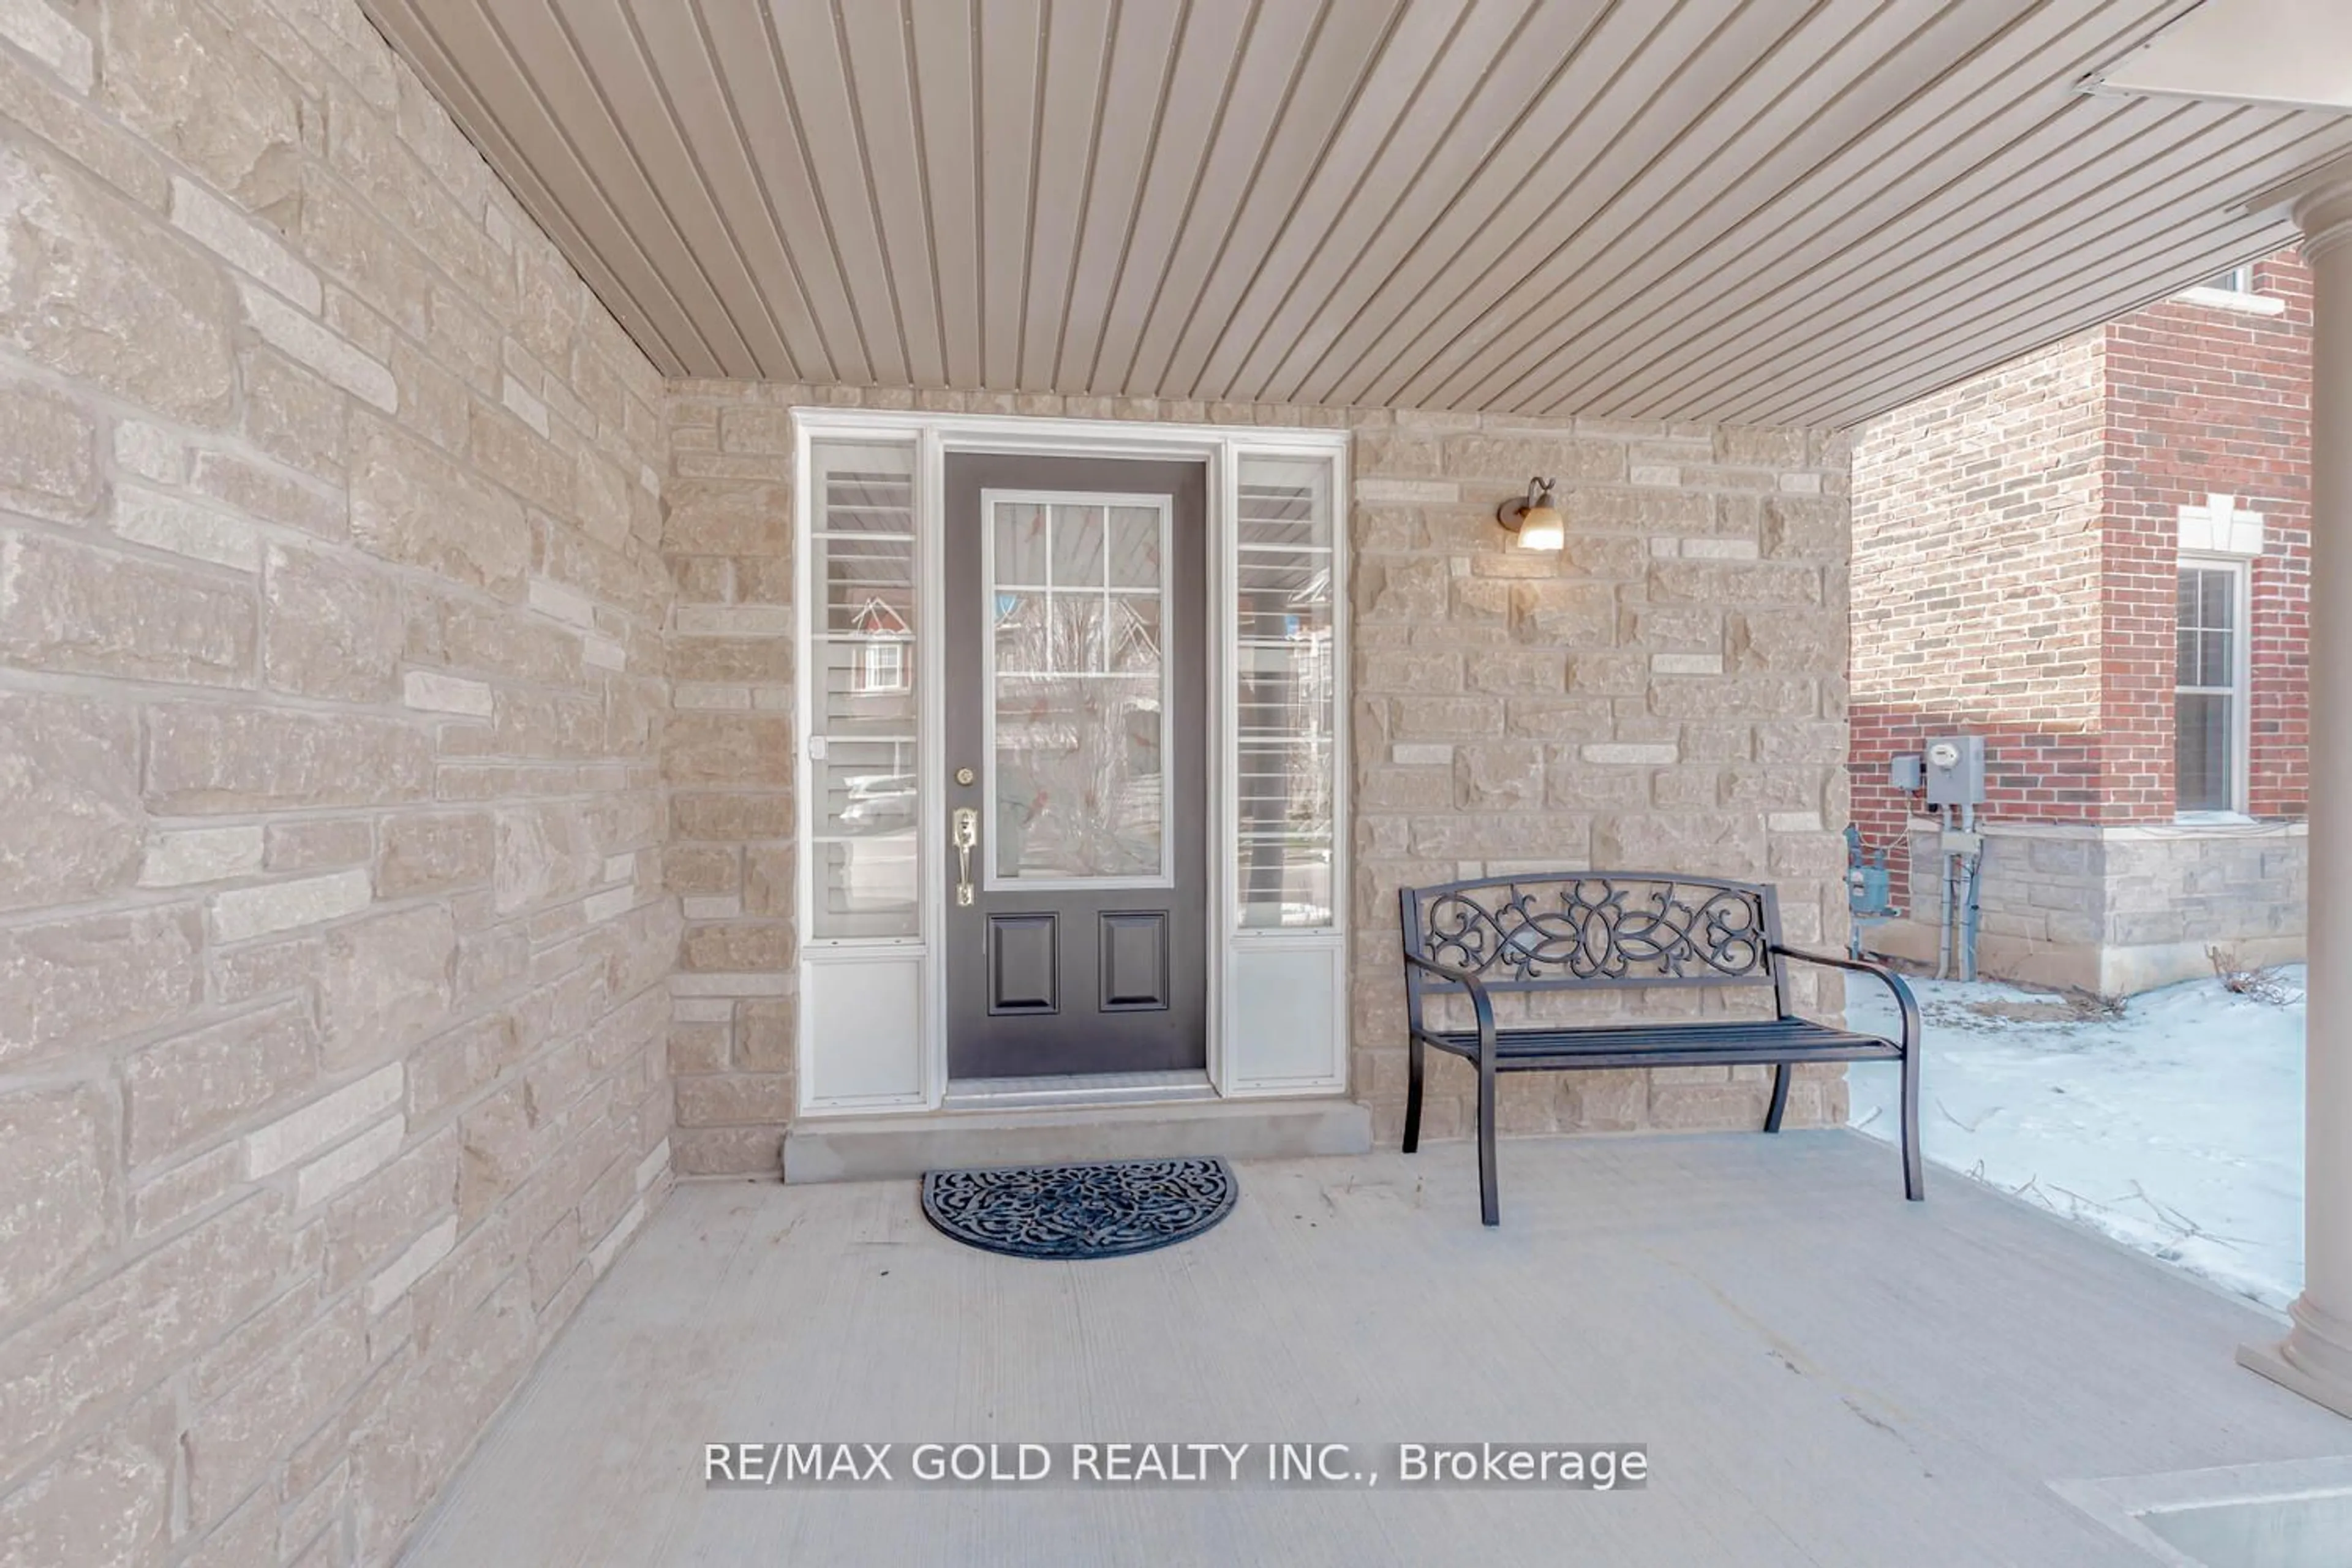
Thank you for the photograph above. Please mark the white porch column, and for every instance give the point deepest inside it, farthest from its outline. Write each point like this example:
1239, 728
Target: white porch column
2315, 1359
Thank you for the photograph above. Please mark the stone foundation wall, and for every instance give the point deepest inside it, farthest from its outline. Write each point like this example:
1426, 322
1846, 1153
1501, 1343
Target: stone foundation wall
333, 947
1667, 692
2117, 911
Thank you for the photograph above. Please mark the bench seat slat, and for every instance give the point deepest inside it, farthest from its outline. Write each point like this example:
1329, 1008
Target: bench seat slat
1739, 1042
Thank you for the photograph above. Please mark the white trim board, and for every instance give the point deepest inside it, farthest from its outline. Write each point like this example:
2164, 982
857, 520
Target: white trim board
2233, 299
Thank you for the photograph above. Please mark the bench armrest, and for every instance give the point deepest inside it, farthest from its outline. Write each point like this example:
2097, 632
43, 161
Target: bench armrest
1903, 1000
1481, 1004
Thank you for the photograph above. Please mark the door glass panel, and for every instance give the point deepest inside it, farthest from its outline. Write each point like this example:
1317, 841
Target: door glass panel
1134, 633
1077, 632
1021, 544
1079, 692
1078, 546
862, 566
1284, 704
1134, 547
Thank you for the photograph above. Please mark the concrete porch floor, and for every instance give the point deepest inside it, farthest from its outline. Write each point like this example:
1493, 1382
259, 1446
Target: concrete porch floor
1822, 1373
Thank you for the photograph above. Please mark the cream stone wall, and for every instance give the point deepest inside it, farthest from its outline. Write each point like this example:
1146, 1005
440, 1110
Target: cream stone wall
334, 948
1668, 693
2121, 907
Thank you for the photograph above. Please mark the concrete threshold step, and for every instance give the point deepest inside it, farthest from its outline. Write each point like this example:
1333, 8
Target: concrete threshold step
876, 1148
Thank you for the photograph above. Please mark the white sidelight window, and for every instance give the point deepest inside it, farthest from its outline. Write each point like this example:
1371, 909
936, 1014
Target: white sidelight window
1285, 694
1285, 976
2209, 702
863, 725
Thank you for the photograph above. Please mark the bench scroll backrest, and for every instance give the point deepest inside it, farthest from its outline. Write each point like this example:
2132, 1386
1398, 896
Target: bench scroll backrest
1560, 931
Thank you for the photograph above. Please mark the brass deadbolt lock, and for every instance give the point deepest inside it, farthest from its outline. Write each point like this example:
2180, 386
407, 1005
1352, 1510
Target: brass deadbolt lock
964, 775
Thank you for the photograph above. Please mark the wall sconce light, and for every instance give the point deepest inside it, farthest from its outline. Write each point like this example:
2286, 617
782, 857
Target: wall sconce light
1536, 521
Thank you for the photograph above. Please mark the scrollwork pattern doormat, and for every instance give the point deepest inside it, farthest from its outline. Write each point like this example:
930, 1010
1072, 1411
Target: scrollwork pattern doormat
1113, 1208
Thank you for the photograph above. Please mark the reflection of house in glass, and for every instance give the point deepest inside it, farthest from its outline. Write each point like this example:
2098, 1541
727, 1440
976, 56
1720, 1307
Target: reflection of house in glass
865, 829
880, 661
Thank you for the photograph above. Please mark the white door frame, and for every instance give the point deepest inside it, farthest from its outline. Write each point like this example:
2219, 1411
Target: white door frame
866, 995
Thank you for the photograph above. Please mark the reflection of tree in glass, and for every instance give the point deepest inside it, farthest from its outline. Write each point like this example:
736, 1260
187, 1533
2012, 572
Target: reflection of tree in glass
1135, 634
1077, 777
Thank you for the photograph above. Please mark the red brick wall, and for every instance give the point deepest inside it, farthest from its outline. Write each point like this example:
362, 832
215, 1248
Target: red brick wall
2016, 544
1975, 607
2203, 398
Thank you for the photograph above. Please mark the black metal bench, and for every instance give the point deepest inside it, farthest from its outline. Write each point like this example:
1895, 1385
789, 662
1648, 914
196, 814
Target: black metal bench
1574, 930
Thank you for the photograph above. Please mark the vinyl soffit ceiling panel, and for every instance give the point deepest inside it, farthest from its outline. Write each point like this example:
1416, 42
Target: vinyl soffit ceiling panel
2293, 52
1784, 211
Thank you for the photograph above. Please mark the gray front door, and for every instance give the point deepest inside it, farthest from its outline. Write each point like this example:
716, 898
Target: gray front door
1077, 705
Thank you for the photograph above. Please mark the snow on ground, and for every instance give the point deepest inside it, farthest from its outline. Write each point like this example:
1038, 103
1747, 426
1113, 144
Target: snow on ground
2175, 1126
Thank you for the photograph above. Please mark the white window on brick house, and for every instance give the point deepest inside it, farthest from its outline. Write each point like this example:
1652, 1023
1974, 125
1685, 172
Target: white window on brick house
2232, 289
2209, 703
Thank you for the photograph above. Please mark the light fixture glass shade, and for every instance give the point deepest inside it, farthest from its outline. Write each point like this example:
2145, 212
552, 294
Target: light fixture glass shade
1541, 528
1535, 521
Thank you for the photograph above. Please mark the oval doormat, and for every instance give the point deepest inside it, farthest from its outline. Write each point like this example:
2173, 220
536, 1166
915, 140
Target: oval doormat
1113, 1208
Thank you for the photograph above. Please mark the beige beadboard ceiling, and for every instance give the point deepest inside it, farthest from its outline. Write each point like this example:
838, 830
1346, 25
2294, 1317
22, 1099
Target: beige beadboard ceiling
1763, 210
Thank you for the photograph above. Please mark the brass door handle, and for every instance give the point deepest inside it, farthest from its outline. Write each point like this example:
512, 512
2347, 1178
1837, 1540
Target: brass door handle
966, 835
